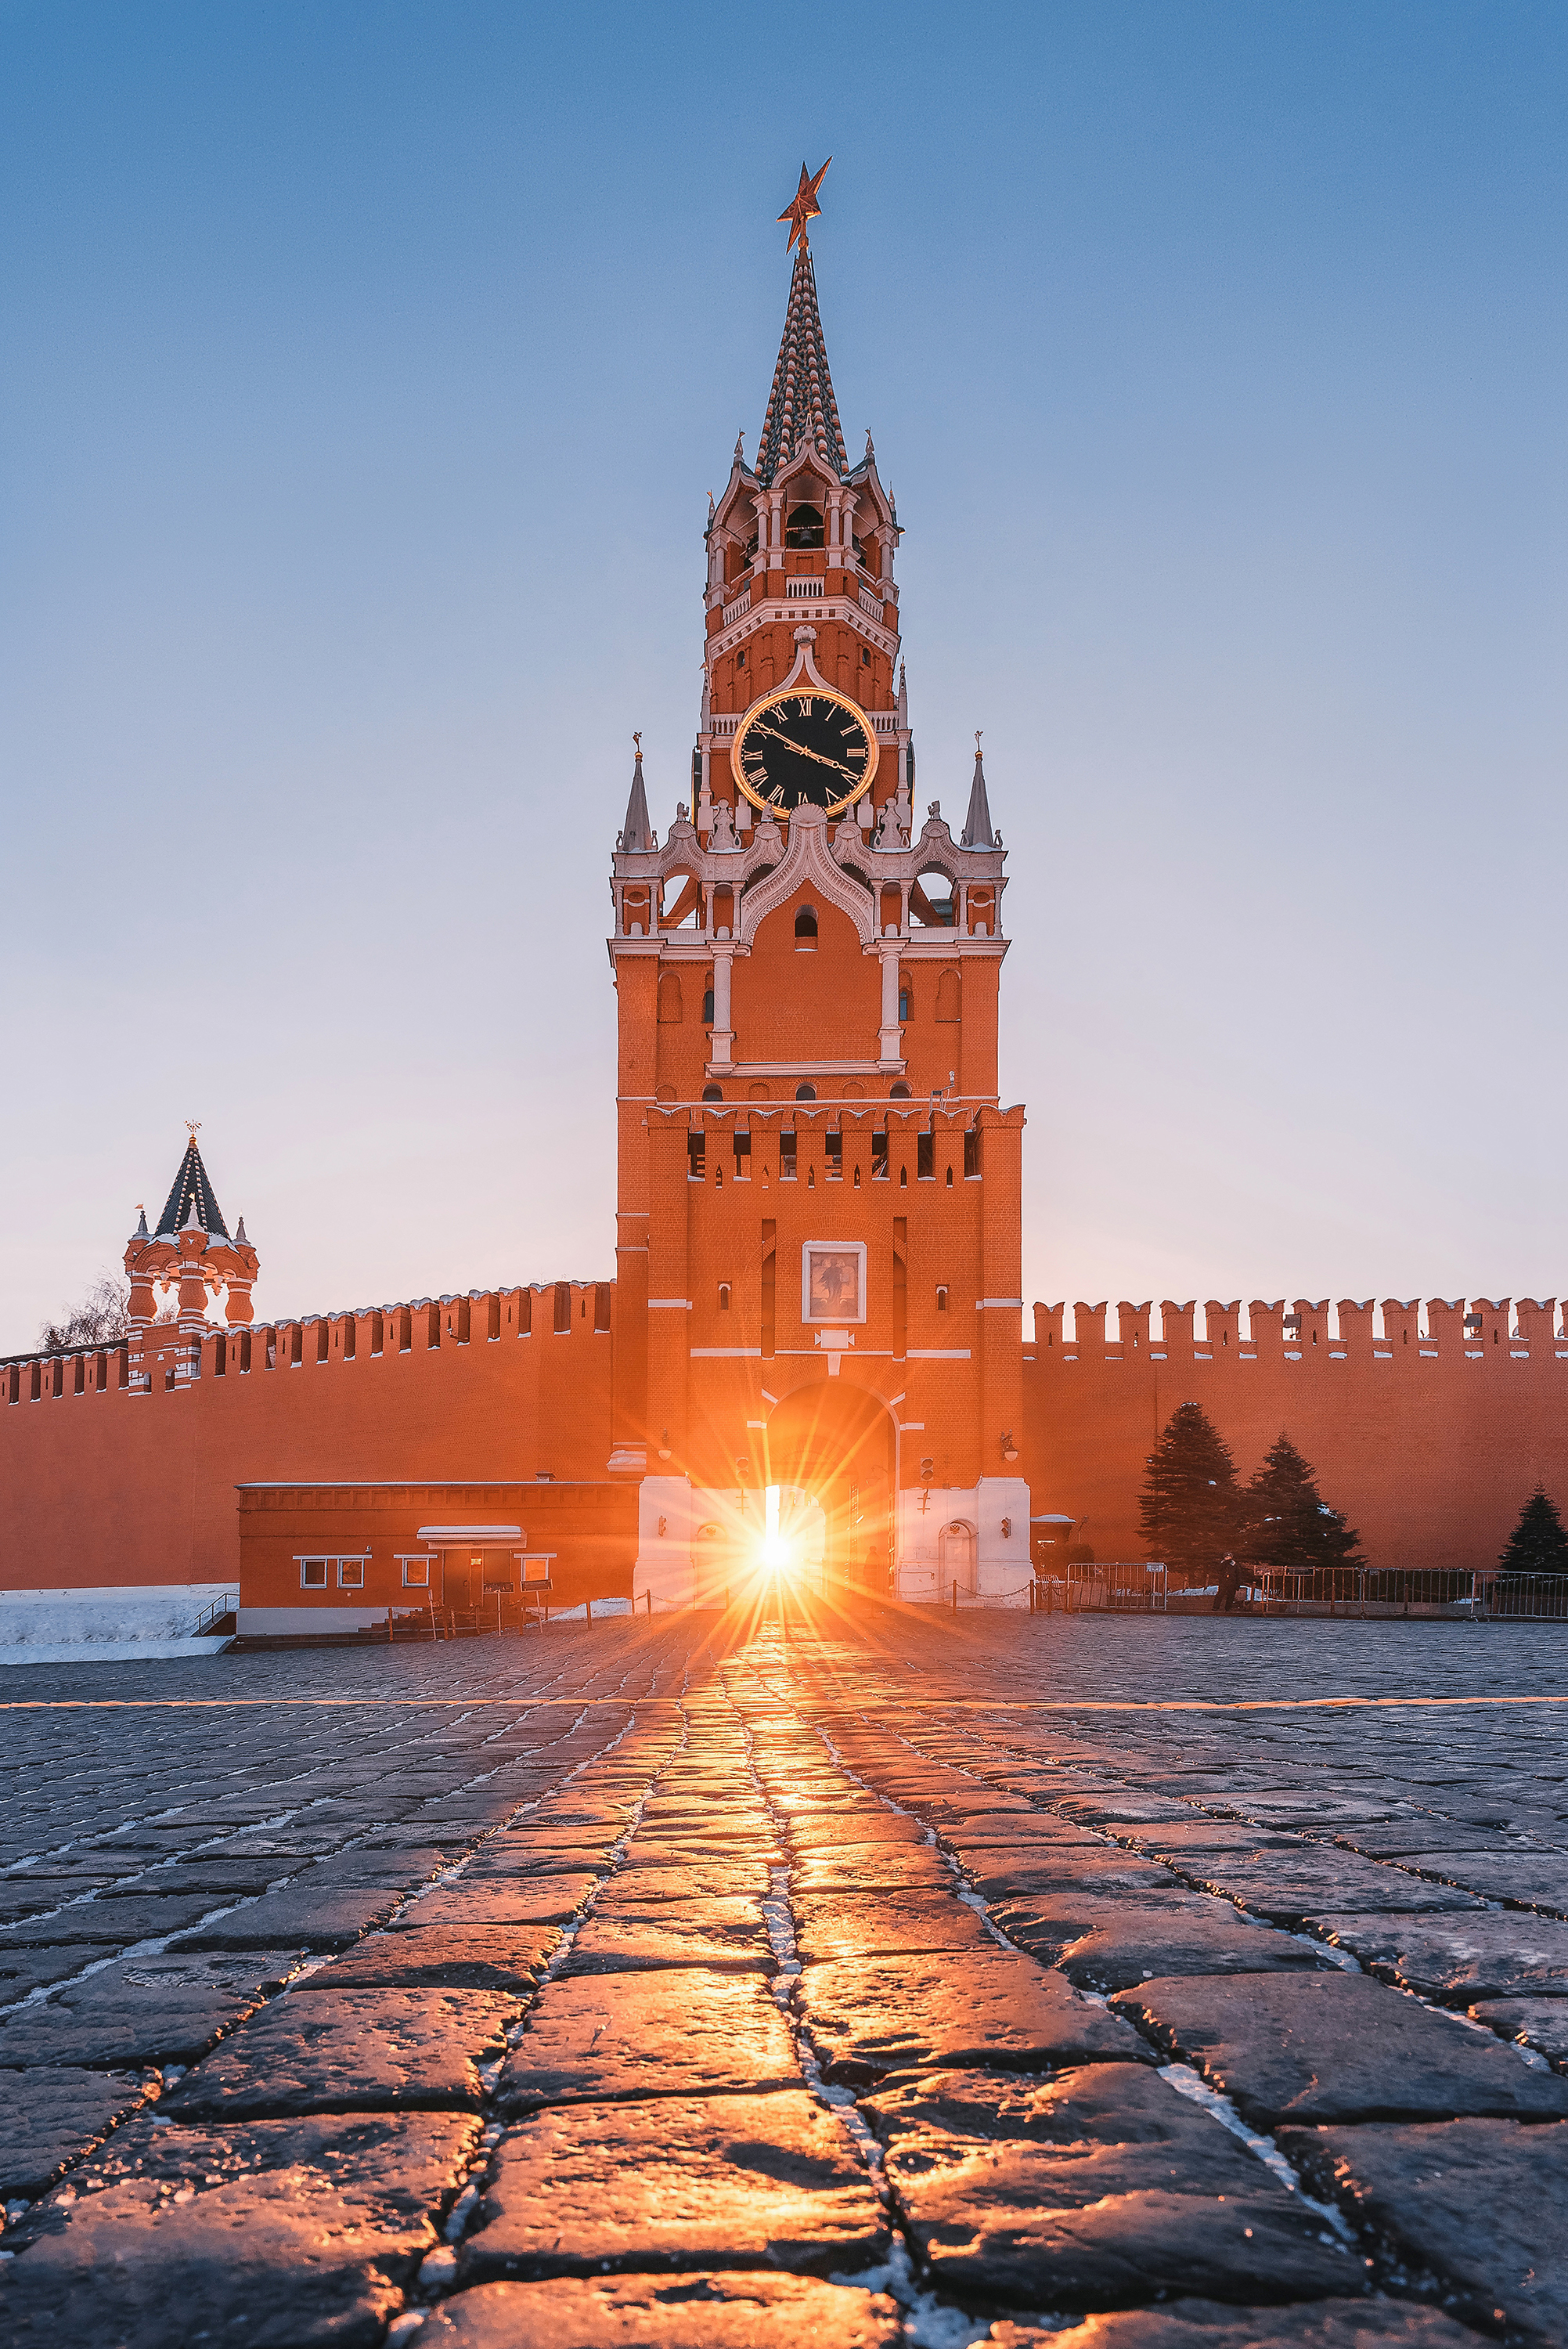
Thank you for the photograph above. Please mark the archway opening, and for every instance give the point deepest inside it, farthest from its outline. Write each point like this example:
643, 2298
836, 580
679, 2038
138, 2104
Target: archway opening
830, 1457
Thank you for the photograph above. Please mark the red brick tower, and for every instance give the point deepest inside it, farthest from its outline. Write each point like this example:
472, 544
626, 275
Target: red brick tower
192, 1246
818, 1190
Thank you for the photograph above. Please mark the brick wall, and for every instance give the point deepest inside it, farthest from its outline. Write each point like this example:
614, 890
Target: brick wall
1429, 1429
105, 1486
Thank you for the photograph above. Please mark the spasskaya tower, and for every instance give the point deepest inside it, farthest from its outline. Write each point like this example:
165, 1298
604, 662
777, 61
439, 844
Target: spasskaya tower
818, 1344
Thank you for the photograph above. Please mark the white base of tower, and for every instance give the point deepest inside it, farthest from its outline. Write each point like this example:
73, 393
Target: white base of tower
664, 1566
975, 1535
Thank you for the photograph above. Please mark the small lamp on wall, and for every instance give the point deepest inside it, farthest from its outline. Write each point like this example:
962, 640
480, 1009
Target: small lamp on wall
1009, 1449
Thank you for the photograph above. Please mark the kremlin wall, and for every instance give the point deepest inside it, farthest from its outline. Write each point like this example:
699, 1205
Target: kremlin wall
1428, 1442
817, 1324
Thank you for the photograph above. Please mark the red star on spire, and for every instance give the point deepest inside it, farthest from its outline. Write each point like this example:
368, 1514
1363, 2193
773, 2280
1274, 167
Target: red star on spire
804, 206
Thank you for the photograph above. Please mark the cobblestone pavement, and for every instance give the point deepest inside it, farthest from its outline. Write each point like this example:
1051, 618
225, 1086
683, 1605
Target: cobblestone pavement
862, 1981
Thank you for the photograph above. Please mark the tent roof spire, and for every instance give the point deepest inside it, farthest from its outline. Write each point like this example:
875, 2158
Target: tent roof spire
636, 833
977, 832
192, 1195
801, 409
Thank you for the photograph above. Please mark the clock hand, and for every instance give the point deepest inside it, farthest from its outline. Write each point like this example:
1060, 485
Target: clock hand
801, 752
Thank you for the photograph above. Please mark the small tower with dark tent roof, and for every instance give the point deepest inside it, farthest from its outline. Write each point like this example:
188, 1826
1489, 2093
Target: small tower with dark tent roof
192, 1246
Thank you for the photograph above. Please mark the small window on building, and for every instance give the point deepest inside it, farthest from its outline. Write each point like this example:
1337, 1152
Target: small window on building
313, 1574
903, 1001
950, 1179
835, 1142
708, 1002
724, 1296
898, 1092
925, 1157
787, 1158
351, 1574
713, 1093
416, 1574
941, 1299
971, 1155
865, 656
696, 1157
741, 656
806, 926
805, 1093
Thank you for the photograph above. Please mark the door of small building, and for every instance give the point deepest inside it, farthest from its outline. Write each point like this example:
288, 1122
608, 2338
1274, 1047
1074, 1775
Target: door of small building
956, 1559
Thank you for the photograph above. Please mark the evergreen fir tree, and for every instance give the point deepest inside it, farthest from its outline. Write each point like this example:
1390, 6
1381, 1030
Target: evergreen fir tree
1537, 1545
1189, 1509
1289, 1527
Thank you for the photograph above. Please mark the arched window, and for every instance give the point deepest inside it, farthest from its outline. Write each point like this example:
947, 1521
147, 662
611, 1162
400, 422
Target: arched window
713, 1093
707, 1002
898, 1092
724, 1296
932, 900
806, 924
942, 1300
805, 1093
669, 998
948, 998
804, 527
906, 996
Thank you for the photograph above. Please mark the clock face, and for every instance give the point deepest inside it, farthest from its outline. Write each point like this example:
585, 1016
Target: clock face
805, 748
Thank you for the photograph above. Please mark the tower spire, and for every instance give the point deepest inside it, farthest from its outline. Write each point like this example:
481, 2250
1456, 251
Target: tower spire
192, 1195
800, 406
977, 832
636, 835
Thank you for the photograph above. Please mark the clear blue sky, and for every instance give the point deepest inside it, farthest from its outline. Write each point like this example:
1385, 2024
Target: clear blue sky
365, 369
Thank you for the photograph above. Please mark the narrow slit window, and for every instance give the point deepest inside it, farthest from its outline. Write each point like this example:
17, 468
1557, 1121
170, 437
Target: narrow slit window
724, 1296
941, 1299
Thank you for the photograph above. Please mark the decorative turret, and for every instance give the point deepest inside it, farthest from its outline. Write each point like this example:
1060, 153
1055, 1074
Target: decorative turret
977, 832
636, 835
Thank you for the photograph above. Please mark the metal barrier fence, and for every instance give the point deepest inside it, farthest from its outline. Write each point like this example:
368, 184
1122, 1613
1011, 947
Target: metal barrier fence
1479, 1596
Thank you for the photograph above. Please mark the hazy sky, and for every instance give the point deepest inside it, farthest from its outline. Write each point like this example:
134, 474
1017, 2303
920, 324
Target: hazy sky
365, 371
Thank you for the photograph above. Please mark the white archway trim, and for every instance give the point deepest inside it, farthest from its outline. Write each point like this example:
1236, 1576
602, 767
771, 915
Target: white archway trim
807, 863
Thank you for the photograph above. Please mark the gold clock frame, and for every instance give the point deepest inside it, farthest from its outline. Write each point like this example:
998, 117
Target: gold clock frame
778, 693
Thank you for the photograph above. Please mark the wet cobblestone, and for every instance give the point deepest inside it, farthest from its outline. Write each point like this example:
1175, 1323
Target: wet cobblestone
876, 1980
